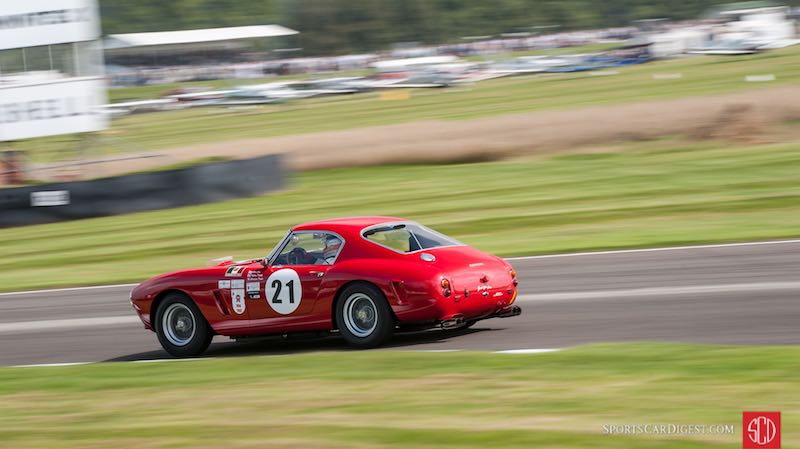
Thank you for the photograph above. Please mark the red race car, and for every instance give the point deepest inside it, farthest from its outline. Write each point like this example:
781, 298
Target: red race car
364, 277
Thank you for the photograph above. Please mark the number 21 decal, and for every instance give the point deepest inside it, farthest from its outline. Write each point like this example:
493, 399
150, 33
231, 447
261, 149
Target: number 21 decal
284, 291
276, 284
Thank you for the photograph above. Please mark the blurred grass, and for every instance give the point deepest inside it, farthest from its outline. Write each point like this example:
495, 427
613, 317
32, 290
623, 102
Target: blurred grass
701, 75
387, 399
665, 192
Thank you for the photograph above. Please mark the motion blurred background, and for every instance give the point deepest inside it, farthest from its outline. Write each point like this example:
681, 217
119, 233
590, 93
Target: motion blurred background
144, 136
521, 127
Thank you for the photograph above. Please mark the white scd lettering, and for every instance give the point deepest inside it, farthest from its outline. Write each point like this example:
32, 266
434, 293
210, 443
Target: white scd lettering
283, 291
50, 198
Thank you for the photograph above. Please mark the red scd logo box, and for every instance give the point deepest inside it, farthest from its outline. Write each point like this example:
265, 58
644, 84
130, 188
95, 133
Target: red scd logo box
761, 430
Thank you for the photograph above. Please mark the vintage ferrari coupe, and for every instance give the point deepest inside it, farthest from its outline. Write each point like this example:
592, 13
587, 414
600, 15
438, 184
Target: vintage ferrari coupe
363, 277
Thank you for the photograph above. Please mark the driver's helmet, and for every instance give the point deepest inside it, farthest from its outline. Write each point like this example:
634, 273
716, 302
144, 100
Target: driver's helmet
332, 245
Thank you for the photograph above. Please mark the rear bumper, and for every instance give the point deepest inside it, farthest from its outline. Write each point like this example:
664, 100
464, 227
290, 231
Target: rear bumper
437, 309
507, 312
456, 321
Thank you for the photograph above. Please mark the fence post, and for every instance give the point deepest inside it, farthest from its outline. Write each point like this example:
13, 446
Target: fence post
12, 168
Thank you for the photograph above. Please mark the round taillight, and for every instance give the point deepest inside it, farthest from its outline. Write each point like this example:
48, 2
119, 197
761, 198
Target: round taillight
446, 291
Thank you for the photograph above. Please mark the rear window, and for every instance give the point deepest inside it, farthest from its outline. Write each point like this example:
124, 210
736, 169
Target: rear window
407, 237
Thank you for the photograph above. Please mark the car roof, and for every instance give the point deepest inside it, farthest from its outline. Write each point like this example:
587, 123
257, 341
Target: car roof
345, 225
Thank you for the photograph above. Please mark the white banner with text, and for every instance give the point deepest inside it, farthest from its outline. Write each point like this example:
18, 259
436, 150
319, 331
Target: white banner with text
32, 23
46, 109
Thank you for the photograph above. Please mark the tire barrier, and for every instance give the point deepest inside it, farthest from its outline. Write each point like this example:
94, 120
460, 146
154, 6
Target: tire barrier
47, 203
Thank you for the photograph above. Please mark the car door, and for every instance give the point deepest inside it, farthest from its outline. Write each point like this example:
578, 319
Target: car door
291, 284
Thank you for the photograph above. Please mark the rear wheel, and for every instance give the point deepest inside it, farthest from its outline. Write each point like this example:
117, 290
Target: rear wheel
181, 328
363, 316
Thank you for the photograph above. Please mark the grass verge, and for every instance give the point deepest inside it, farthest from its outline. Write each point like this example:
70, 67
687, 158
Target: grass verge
646, 194
382, 399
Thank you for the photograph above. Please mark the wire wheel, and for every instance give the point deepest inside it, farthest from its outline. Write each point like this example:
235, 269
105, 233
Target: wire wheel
360, 315
178, 323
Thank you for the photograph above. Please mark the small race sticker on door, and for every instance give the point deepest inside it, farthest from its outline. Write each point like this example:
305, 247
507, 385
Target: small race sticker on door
254, 290
283, 291
237, 301
235, 271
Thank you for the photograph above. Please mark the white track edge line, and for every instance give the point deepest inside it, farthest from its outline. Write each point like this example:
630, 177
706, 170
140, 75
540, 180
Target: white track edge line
41, 365
68, 289
527, 351
650, 292
644, 292
647, 250
190, 359
67, 323
543, 256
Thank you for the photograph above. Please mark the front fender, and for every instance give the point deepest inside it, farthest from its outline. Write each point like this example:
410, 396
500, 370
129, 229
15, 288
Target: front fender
198, 285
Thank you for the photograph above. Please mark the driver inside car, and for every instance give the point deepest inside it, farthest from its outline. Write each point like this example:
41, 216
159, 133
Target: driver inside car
332, 245
299, 256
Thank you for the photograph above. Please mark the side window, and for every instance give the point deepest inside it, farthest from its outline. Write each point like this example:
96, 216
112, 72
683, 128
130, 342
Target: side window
397, 239
310, 248
407, 237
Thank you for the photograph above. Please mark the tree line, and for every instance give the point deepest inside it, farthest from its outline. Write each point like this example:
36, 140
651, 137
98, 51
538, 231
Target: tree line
330, 27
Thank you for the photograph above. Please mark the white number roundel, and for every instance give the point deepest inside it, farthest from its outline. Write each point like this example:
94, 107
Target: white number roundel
283, 291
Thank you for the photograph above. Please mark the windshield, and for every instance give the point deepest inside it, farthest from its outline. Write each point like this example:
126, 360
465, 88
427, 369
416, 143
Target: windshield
407, 237
277, 247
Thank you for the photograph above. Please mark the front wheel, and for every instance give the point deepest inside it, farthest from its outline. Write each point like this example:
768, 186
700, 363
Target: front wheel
363, 316
181, 328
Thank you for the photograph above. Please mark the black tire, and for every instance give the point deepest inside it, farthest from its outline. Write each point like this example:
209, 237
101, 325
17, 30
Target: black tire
178, 340
469, 324
364, 302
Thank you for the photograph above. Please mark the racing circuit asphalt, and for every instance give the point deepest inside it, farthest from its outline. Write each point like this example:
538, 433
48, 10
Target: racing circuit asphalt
737, 294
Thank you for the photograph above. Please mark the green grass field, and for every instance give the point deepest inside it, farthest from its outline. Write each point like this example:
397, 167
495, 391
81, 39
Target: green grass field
362, 400
700, 76
665, 192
